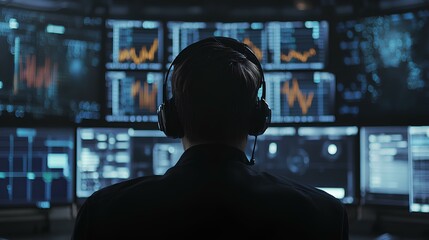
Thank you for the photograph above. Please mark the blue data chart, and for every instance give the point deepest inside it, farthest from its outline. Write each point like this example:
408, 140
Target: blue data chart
383, 68
36, 166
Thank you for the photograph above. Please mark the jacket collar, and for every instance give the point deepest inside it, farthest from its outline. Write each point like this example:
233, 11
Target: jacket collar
212, 153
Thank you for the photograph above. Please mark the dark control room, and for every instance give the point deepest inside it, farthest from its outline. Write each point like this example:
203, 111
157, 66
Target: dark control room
101, 115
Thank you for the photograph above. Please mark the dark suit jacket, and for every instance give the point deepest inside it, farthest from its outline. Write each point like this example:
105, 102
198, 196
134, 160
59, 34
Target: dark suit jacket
211, 193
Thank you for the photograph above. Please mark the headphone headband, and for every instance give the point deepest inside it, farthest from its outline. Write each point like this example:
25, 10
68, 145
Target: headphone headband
228, 42
168, 119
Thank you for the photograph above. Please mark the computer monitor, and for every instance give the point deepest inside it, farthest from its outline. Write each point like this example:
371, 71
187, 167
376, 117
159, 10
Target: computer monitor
36, 167
181, 34
384, 165
134, 44
382, 69
250, 33
50, 66
106, 156
296, 45
323, 157
301, 96
277, 45
419, 159
133, 96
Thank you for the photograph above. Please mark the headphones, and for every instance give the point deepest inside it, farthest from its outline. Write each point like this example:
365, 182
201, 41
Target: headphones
168, 118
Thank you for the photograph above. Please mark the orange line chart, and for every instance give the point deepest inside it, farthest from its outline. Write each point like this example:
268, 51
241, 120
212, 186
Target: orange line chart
300, 56
144, 54
146, 97
295, 94
36, 77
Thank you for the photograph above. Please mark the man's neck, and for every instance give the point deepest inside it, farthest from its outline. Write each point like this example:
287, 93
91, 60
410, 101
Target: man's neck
187, 144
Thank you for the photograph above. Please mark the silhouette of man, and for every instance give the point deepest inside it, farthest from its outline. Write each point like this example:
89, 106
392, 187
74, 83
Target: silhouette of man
213, 192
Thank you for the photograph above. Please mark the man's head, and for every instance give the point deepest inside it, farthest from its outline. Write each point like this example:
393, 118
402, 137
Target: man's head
215, 84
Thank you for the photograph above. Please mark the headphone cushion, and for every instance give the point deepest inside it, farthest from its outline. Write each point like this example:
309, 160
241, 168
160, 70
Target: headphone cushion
168, 120
260, 118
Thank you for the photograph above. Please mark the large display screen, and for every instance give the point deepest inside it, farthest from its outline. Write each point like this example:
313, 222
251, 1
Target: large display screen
36, 166
382, 68
50, 66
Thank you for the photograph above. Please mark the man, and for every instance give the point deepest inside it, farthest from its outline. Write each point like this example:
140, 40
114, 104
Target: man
213, 192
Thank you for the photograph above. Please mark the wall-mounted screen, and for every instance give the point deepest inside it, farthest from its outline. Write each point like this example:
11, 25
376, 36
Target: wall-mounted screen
134, 44
50, 66
382, 68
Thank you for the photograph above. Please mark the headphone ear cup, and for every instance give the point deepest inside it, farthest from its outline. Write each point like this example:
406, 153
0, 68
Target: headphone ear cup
260, 118
168, 120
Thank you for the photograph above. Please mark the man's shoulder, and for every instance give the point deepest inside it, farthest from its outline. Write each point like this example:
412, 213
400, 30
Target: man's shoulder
286, 188
124, 187
306, 203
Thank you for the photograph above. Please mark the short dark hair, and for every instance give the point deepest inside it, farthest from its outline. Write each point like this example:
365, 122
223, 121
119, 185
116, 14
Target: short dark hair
215, 88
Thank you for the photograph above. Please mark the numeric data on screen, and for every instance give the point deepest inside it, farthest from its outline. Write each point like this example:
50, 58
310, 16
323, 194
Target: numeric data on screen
419, 159
106, 156
384, 165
